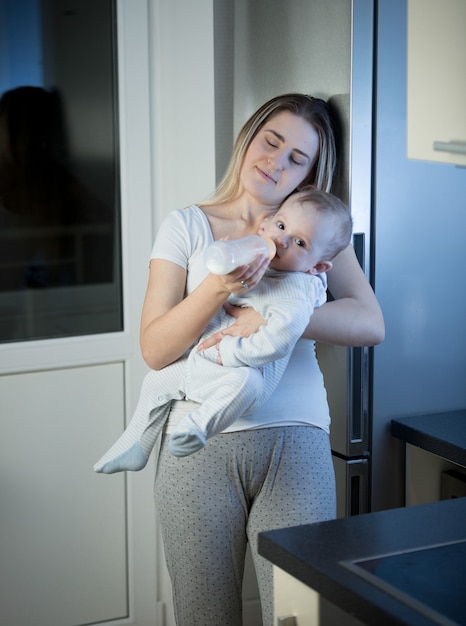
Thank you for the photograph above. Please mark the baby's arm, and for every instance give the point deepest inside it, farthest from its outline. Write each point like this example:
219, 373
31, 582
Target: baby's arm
286, 318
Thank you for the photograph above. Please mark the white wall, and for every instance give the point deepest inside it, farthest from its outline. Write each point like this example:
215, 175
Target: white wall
290, 46
182, 66
277, 47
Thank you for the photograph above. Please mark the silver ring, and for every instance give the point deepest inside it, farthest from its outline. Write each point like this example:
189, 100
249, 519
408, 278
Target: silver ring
244, 284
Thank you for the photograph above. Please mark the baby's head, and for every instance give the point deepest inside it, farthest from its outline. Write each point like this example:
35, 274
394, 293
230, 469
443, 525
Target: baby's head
309, 230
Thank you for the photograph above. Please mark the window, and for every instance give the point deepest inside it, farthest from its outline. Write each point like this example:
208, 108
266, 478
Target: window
60, 249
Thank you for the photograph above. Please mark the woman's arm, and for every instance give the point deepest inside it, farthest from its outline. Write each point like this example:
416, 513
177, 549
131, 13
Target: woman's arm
170, 322
354, 317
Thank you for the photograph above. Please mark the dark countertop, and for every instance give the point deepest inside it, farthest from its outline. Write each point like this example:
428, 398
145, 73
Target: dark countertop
443, 434
315, 555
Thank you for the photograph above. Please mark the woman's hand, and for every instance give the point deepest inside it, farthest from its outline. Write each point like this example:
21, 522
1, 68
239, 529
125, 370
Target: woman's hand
248, 322
171, 322
245, 277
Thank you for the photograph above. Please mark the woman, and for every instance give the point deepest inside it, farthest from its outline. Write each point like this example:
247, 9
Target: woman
272, 468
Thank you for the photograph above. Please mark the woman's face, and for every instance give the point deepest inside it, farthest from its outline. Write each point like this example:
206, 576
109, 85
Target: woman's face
279, 158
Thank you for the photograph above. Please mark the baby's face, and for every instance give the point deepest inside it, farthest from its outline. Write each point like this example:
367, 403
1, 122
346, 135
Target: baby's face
300, 234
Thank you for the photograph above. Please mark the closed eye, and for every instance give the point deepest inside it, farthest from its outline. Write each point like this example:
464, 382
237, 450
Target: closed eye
297, 161
297, 157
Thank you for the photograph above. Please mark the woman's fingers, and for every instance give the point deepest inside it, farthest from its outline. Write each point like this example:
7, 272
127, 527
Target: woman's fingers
247, 276
211, 341
248, 322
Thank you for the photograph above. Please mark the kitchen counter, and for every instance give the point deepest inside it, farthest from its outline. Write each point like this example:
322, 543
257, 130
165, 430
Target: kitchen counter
443, 434
396, 590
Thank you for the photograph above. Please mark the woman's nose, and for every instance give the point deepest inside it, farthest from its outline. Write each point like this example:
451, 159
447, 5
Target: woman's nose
276, 162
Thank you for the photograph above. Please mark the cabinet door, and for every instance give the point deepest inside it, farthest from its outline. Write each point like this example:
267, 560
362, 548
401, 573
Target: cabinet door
437, 81
292, 598
63, 528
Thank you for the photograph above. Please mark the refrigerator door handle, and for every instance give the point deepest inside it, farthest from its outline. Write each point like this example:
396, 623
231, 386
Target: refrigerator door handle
359, 376
352, 476
358, 413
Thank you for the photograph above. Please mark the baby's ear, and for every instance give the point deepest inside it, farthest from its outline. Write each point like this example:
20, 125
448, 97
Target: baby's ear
321, 267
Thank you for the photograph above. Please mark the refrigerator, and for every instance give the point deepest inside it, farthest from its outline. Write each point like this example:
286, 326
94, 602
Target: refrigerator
353, 53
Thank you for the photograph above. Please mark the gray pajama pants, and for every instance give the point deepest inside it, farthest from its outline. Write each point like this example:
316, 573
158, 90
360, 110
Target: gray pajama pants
211, 504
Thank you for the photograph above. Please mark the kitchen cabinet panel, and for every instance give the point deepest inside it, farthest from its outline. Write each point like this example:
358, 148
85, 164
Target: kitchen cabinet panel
63, 528
437, 81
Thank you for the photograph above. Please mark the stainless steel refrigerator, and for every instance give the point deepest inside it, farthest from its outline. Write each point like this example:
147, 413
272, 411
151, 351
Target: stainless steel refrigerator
347, 370
353, 53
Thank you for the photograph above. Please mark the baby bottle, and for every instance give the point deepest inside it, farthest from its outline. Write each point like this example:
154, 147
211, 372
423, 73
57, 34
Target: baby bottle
223, 256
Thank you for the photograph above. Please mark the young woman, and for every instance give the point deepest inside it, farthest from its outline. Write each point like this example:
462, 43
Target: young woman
271, 468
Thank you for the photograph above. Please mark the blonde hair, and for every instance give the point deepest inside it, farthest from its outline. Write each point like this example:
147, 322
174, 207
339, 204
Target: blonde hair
315, 111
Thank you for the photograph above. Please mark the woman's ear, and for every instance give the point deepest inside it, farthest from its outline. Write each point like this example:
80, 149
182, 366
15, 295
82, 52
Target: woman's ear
321, 267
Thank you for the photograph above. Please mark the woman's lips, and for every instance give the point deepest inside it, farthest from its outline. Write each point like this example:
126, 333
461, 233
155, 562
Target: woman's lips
266, 175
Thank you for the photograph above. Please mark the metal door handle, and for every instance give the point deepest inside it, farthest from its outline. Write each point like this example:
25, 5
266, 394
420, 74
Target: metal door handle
359, 377
459, 147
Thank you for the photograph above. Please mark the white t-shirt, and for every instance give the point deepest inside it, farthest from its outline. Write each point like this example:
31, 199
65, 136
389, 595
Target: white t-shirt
300, 397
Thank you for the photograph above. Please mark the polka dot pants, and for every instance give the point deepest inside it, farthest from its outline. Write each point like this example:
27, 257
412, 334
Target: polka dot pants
211, 504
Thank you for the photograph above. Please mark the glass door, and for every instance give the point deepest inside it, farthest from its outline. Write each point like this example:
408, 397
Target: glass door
60, 247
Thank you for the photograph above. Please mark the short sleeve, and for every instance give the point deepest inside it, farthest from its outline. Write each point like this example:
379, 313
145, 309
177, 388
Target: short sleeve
182, 239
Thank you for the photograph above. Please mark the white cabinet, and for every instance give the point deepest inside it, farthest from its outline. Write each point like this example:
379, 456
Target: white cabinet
296, 604
63, 528
424, 475
292, 598
437, 81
